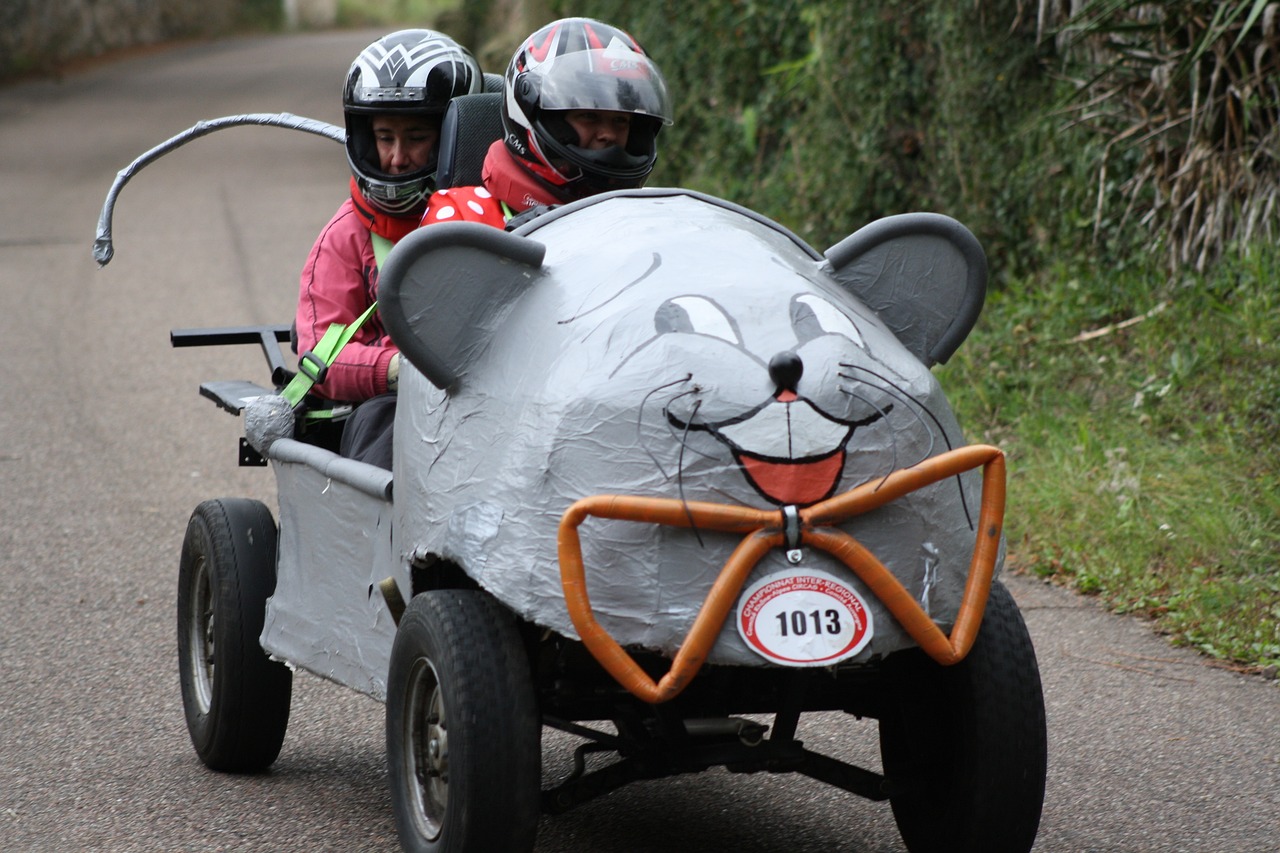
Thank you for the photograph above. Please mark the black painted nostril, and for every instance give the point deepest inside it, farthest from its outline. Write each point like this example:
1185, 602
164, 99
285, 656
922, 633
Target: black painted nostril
785, 369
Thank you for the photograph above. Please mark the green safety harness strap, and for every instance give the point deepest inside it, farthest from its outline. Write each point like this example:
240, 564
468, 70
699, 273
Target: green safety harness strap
314, 363
381, 248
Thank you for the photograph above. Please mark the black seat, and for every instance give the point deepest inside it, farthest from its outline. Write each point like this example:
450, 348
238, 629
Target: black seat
471, 124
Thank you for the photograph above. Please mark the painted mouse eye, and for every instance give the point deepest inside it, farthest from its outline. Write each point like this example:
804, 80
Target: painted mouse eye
813, 316
695, 315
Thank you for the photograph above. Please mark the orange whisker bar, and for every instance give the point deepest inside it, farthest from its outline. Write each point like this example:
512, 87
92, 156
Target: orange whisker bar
763, 531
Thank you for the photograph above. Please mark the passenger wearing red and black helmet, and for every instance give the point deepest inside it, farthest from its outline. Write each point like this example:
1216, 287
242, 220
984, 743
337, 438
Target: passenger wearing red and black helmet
394, 98
581, 111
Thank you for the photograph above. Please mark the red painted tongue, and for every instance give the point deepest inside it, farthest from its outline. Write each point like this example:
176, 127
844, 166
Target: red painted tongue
799, 483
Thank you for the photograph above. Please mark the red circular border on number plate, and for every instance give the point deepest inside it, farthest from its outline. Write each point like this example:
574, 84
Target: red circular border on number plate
767, 590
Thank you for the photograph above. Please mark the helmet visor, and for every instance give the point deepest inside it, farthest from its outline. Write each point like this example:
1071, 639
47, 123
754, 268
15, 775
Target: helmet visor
609, 79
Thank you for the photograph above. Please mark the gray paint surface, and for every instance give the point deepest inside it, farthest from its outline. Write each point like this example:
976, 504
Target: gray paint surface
326, 615
634, 360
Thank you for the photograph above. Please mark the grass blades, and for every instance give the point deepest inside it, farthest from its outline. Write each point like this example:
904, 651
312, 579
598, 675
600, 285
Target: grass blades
1142, 442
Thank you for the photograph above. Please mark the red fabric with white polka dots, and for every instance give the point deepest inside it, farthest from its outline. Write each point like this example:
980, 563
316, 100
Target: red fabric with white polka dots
464, 204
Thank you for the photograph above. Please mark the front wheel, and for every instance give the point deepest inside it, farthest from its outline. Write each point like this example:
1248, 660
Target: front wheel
236, 698
964, 746
463, 733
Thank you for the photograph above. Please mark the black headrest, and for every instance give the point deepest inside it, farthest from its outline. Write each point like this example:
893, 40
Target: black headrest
471, 124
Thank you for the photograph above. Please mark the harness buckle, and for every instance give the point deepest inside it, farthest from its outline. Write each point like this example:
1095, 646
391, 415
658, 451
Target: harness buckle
312, 366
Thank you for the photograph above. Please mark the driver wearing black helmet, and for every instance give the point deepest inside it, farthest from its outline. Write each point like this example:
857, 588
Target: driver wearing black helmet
396, 93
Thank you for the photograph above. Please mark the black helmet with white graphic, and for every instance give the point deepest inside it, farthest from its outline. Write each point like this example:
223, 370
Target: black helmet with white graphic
409, 72
582, 64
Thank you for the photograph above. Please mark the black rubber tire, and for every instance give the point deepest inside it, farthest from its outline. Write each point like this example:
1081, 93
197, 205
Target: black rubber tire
965, 745
460, 679
236, 698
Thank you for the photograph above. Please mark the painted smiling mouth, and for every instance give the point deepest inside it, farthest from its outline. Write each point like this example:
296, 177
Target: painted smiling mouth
798, 482
790, 451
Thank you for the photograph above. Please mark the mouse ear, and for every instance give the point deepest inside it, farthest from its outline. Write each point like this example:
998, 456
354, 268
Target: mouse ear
444, 290
924, 274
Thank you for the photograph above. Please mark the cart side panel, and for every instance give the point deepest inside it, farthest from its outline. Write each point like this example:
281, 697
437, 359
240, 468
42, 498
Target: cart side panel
327, 615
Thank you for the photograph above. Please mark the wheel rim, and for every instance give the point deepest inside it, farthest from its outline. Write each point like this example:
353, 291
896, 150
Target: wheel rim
200, 635
426, 755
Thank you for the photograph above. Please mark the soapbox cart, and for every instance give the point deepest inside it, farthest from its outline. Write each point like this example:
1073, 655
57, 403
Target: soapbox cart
665, 479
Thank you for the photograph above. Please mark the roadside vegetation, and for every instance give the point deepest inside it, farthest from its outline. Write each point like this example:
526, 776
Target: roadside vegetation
1140, 414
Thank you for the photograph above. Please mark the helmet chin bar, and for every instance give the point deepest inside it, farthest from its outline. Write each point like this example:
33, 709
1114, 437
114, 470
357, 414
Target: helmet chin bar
605, 165
398, 195
616, 159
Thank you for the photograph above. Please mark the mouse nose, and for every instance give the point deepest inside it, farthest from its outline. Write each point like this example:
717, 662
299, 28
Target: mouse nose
785, 369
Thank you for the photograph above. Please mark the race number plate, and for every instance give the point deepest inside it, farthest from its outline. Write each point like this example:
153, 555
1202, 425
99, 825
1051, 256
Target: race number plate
804, 619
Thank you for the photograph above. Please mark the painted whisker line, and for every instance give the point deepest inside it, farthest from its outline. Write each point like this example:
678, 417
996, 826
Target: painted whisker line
913, 406
640, 421
680, 476
964, 503
883, 414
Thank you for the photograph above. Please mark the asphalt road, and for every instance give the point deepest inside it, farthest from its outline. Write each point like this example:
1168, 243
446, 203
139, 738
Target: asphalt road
105, 448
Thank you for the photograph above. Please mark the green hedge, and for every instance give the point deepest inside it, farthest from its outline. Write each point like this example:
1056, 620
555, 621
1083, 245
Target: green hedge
826, 115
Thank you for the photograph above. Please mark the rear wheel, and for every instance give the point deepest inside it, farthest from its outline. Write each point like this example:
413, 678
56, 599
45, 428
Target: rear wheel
965, 746
236, 698
463, 732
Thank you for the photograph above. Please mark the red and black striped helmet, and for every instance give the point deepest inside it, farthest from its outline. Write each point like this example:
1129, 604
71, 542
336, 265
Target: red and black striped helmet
582, 64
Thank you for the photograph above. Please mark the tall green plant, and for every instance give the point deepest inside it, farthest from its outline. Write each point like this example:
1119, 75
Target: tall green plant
1193, 88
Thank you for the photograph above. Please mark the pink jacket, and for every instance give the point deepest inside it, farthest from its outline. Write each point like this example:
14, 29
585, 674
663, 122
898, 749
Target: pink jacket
339, 281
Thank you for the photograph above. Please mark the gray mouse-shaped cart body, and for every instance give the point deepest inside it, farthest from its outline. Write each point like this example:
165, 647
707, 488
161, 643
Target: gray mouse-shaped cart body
658, 463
